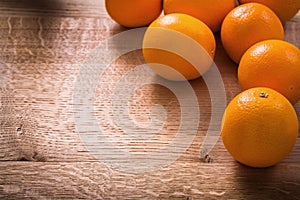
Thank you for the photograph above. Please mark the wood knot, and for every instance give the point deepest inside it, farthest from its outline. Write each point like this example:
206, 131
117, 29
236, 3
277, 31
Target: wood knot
207, 159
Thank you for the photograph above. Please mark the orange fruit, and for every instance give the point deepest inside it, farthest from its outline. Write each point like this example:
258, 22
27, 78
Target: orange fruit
285, 9
259, 127
179, 47
211, 13
133, 13
274, 64
246, 25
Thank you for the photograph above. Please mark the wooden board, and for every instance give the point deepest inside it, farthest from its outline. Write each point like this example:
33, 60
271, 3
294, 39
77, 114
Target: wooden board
43, 47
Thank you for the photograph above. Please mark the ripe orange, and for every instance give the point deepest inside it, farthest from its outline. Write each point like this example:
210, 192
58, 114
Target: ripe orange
246, 25
274, 64
179, 47
285, 9
211, 13
260, 127
134, 13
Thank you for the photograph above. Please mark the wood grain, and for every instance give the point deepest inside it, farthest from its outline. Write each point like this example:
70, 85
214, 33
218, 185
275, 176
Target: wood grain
43, 45
91, 180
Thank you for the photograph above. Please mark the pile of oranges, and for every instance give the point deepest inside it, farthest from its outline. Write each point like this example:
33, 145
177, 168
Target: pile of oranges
260, 125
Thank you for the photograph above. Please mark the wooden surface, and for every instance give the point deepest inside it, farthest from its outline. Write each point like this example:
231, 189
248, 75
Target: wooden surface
43, 45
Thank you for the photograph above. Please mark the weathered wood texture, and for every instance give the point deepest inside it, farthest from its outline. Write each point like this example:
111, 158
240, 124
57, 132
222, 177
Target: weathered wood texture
42, 47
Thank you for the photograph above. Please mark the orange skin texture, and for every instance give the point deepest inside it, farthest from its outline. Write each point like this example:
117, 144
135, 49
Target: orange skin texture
211, 13
246, 25
260, 127
133, 13
274, 64
285, 9
192, 29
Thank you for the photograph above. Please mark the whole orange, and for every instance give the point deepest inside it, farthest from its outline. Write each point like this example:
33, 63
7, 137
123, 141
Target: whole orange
274, 64
246, 25
285, 9
260, 127
179, 47
133, 13
211, 13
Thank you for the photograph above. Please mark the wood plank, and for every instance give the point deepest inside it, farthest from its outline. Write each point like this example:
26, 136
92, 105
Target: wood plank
91, 180
75, 8
37, 83
43, 45
40, 60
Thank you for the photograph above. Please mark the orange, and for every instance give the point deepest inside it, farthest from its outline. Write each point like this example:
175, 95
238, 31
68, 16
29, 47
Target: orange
260, 127
274, 64
246, 25
285, 9
179, 47
133, 13
211, 13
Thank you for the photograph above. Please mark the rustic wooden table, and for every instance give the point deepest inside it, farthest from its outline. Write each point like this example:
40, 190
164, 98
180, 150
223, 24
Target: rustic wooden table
43, 45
